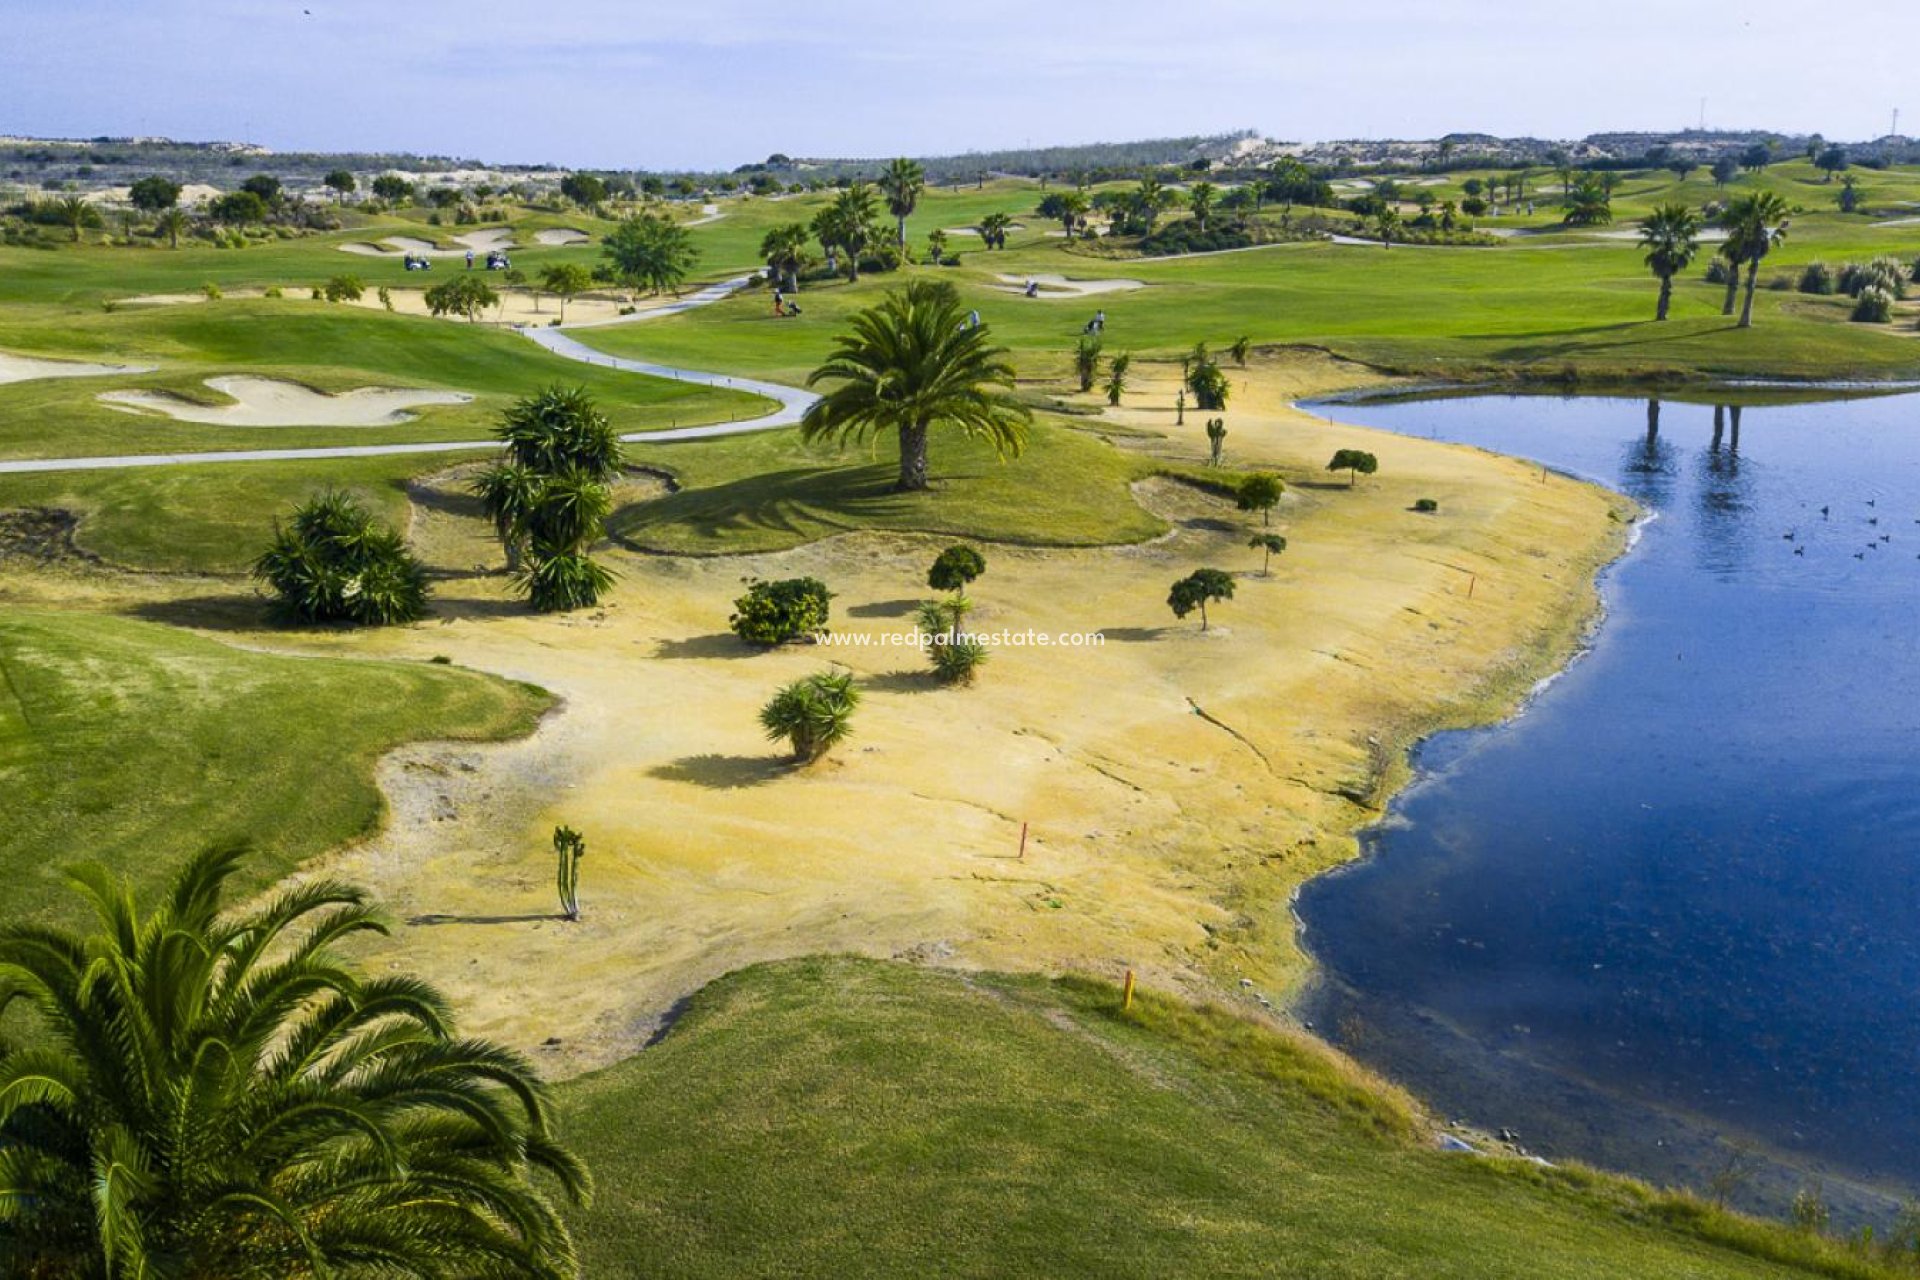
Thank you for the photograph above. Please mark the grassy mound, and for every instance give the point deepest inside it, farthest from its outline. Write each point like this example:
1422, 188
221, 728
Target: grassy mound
838, 1117
133, 744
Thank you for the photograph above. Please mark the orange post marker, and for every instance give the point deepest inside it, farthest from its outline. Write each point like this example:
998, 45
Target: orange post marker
1126, 992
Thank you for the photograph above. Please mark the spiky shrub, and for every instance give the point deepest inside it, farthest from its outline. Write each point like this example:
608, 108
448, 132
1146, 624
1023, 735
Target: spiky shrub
1881, 273
208, 1089
332, 563
560, 429
772, 613
1117, 376
1086, 362
1216, 440
955, 568
1874, 306
812, 714
1720, 271
1242, 347
1209, 384
569, 847
954, 654
1819, 278
560, 582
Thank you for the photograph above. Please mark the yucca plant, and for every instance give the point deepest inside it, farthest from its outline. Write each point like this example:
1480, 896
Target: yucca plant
1086, 362
557, 581
196, 1091
559, 430
332, 563
812, 714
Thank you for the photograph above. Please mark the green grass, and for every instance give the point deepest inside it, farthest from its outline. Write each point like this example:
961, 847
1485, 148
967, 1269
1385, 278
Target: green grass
765, 492
331, 348
134, 744
836, 1117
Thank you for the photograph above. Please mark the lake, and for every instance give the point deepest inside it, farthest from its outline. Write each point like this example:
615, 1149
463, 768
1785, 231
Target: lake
1668, 919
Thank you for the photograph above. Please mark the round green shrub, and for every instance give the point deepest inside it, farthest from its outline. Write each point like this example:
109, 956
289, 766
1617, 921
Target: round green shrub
1426, 506
1875, 306
773, 613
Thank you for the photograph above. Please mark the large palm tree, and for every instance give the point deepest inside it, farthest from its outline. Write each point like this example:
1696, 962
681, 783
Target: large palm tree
1670, 237
910, 364
1756, 221
209, 1093
901, 183
851, 223
170, 224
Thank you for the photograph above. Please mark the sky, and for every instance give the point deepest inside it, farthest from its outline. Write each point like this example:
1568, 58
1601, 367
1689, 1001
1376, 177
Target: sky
716, 83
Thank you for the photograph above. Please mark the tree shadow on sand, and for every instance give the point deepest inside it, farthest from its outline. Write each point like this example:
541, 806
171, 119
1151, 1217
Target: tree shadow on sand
883, 609
723, 773
1133, 635
721, 644
534, 918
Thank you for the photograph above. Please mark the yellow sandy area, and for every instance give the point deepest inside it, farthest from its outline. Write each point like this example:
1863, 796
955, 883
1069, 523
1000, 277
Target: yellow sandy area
30, 368
516, 307
1159, 839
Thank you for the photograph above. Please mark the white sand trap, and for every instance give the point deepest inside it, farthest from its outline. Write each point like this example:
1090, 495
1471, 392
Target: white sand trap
519, 307
267, 402
1061, 287
562, 235
1897, 222
708, 213
480, 242
31, 368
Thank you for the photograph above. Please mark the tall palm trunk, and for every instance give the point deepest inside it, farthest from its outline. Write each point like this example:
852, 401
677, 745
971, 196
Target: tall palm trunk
913, 457
1666, 297
1746, 307
1733, 287
901, 224
1653, 422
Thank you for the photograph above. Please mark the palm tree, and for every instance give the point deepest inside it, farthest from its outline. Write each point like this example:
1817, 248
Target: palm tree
1386, 221
1758, 222
826, 228
937, 245
901, 183
993, 228
1200, 198
784, 249
812, 713
76, 212
910, 364
170, 224
1669, 235
214, 1093
853, 213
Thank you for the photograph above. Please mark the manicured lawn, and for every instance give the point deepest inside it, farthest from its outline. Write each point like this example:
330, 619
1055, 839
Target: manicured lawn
134, 744
840, 1118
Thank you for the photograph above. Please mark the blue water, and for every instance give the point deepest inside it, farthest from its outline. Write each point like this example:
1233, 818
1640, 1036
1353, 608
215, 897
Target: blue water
1675, 905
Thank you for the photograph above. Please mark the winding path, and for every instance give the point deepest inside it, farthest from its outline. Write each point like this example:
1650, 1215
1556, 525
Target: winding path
792, 404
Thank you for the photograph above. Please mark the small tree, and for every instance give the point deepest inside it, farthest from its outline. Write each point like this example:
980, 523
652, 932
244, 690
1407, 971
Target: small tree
393, 188
1848, 197
812, 714
584, 189
773, 613
1197, 589
344, 289
1117, 377
569, 847
170, 224
563, 281
937, 245
1242, 347
1216, 439
332, 563
955, 568
1086, 361
649, 252
1832, 160
342, 184
1355, 462
1269, 543
1260, 493
152, 195
464, 295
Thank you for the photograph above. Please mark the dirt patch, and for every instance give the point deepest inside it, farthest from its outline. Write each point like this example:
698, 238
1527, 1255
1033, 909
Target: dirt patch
33, 536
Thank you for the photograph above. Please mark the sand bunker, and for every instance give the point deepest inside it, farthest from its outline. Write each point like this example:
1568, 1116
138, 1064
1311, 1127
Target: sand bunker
1060, 287
29, 368
562, 235
708, 213
267, 402
480, 242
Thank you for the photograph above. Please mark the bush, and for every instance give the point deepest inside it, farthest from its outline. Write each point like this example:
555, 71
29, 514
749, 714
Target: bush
332, 563
1425, 506
1885, 273
774, 613
344, 289
556, 581
812, 714
1818, 278
1718, 271
1187, 237
1875, 306
212, 292
955, 655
